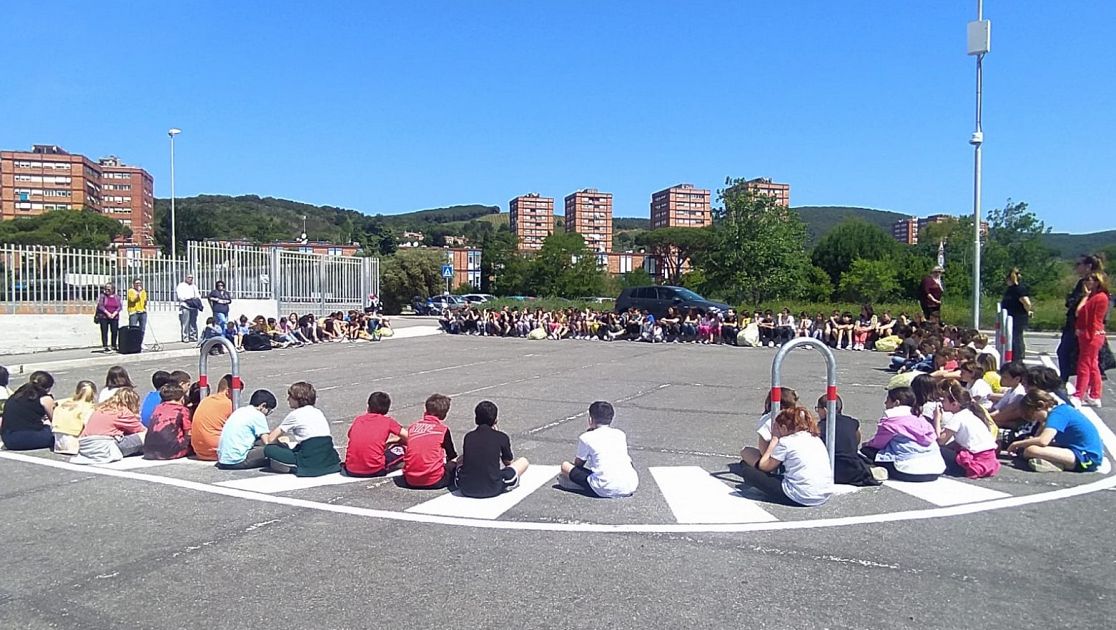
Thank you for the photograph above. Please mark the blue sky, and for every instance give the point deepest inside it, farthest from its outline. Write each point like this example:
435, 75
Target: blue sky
396, 106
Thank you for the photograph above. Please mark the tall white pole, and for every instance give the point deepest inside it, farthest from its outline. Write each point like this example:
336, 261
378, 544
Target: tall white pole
174, 236
977, 140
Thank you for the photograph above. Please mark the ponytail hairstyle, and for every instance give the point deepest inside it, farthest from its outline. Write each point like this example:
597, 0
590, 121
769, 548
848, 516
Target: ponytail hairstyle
797, 419
86, 392
956, 392
1094, 262
1013, 276
38, 385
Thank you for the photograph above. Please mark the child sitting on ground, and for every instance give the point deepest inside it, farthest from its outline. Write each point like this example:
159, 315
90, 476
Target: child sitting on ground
116, 420
309, 450
972, 377
152, 399
850, 467
905, 445
70, 417
487, 467
807, 479
788, 399
963, 432
602, 467
430, 458
1067, 440
376, 440
169, 434
245, 434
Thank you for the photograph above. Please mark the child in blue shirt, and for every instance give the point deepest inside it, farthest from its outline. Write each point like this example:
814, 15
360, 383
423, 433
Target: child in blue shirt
1066, 441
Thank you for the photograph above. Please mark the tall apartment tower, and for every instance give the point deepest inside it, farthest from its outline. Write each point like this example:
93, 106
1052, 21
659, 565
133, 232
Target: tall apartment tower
681, 206
764, 186
49, 178
906, 231
589, 213
532, 220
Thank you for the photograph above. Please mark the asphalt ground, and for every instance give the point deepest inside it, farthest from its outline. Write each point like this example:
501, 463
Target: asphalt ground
165, 547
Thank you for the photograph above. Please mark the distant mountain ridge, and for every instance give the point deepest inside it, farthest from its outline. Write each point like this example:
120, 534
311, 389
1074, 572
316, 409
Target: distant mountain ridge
283, 218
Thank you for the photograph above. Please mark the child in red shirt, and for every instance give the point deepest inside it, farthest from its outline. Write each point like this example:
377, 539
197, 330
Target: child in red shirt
375, 441
430, 459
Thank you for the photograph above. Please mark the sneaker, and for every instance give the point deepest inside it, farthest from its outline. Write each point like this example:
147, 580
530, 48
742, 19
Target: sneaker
1041, 465
1093, 402
879, 473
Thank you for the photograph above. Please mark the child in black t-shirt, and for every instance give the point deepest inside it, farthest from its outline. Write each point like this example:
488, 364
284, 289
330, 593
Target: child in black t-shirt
487, 468
850, 467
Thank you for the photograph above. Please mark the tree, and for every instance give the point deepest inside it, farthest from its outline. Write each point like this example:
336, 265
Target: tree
818, 287
869, 281
636, 278
757, 248
675, 247
81, 229
1015, 239
852, 240
565, 267
409, 273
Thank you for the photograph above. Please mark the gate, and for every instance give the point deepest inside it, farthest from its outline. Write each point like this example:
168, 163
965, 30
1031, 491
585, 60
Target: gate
830, 390
321, 283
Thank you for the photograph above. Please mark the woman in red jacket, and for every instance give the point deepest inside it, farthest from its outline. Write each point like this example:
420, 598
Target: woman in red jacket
1089, 325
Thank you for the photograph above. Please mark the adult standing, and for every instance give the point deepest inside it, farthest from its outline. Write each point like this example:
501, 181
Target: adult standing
1017, 302
930, 294
1089, 326
1067, 347
189, 305
137, 305
107, 316
219, 300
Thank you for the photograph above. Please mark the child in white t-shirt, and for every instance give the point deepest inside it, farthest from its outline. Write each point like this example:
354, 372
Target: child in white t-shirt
602, 467
788, 399
807, 478
964, 433
972, 375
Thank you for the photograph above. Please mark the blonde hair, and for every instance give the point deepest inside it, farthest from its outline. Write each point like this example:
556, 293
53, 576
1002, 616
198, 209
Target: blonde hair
124, 398
1013, 276
86, 392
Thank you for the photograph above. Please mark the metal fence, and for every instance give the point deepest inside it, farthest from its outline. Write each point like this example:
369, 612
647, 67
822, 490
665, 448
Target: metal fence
58, 279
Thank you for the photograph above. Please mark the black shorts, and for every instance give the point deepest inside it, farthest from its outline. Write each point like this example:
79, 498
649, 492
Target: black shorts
580, 476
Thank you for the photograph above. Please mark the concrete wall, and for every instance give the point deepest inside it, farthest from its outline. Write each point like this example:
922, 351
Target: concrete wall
21, 334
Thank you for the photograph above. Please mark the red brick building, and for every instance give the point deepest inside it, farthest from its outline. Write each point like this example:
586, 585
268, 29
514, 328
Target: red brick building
308, 247
531, 219
764, 186
589, 213
618, 263
49, 178
906, 231
681, 206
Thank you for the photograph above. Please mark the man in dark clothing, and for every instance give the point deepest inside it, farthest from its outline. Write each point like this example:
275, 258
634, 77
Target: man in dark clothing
930, 295
219, 300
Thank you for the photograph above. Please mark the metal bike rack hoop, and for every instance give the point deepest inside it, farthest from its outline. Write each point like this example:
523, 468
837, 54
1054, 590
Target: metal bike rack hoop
830, 389
203, 368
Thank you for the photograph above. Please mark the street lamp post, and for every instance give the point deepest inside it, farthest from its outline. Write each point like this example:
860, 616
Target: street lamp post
174, 131
979, 33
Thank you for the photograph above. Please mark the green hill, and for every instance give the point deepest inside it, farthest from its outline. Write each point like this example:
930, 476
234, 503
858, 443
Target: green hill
1070, 245
821, 219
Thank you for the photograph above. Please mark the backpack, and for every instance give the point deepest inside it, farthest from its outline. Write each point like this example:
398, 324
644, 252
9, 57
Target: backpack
256, 341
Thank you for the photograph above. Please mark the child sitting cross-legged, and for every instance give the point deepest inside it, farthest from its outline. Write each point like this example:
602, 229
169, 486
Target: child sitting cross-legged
905, 444
430, 458
807, 478
169, 434
376, 441
1066, 439
487, 467
964, 434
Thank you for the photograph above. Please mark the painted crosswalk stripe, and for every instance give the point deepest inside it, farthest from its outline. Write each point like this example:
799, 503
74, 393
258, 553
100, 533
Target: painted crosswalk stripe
273, 483
453, 504
943, 492
695, 496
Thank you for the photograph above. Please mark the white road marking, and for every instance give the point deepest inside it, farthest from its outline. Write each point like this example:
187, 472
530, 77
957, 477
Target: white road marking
944, 491
272, 483
453, 504
134, 463
1103, 483
1106, 434
695, 496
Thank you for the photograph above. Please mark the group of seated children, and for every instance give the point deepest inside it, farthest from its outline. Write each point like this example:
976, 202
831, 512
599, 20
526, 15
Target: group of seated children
935, 425
297, 331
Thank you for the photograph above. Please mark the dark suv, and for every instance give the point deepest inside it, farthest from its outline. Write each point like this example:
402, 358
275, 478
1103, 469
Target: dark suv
657, 299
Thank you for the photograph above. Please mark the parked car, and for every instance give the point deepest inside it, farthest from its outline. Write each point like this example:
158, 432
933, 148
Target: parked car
435, 304
478, 298
657, 299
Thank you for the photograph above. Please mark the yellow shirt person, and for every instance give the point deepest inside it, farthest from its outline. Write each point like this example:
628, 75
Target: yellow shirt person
137, 305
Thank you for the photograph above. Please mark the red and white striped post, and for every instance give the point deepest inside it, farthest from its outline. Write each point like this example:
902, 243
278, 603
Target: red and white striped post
830, 389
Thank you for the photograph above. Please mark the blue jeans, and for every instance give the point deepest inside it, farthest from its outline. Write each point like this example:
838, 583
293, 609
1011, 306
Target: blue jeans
138, 319
222, 319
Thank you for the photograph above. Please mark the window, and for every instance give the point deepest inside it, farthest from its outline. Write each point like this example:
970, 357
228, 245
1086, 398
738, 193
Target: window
335, 251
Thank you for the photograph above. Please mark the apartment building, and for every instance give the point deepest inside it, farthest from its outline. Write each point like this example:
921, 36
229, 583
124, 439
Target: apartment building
764, 186
618, 263
681, 206
589, 213
49, 178
531, 218
906, 231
